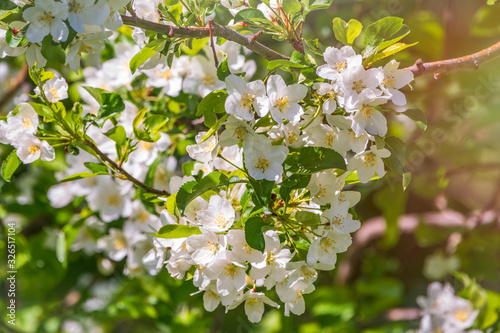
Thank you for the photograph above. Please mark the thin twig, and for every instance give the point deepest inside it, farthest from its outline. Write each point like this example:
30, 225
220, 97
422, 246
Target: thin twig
17, 82
123, 172
252, 38
438, 68
212, 45
202, 32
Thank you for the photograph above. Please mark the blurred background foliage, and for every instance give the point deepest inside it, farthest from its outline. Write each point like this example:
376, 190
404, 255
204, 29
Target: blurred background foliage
447, 220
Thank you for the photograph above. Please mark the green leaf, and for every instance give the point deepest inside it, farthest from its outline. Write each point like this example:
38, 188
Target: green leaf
263, 190
10, 165
7, 5
391, 50
317, 5
138, 118
295, 181
254, 235
176, 231
314, 159
44, 111
188, 167
95, 92
176, 12
210, 105
223, 70
53, 51
214, 128
404, 31
111, 103
82, 175
379, 32
96, 167
490, 313
12, 39
194, 46
118, 135
308, 218
418, 116
146, 53
396, 161
291, 6
406, 180
171, 204
353, 178
191, 190
282, 64
249, 15
344, 32
144, 135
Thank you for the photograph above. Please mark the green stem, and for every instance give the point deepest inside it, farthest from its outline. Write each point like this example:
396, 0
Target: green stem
316, 114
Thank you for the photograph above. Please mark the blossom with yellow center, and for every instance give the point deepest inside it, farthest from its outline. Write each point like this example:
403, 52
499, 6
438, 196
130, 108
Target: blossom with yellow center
358, 86
246, 101
27, 123
262, 164
114, 200
208, 80
33, 149
282, 104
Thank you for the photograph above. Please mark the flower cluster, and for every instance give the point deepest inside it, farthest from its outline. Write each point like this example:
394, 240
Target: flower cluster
19, 131
345, 119
443, 311
87, 20
268, 123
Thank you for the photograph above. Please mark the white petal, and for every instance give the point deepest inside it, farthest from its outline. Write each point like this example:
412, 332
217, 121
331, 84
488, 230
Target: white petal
76, 21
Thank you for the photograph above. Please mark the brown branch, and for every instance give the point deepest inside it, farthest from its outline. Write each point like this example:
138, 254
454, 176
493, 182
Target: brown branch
212, 44
202, 32
122, 171
450, 65
17, 82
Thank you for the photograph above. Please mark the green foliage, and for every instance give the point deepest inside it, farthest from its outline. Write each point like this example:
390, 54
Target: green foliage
346, 33
212, 104
309, 160
111, 103
418, 116
396, 161
176, 231
146, 53
223, 70
254, 233
10, 165
191, 190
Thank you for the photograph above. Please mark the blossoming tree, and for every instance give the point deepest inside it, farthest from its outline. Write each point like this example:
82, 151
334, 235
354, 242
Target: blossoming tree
184, 155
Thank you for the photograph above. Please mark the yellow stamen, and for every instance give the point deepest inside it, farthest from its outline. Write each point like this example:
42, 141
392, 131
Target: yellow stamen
262, 164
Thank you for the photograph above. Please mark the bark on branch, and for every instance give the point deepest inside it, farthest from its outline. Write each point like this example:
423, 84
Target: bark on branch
450, 65
202, 32
120, 171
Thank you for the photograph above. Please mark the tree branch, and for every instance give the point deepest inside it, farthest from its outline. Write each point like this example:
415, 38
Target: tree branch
16, 83
202, 32
450, 65
123, 172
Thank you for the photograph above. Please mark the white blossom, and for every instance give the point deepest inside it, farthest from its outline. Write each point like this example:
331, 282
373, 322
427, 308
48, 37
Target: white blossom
265, 161
245, 98
283, 99
46, 17
30, 148
369, 163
